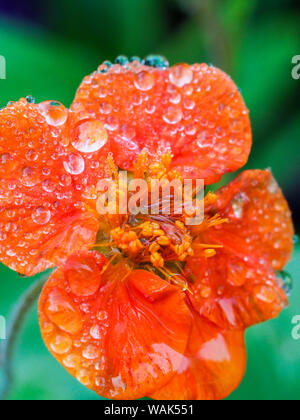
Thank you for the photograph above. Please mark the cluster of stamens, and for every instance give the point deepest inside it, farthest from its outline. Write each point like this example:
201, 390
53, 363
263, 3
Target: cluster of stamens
157, 242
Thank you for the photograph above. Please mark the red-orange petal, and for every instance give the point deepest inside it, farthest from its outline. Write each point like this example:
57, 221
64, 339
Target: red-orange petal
194, 111
42, 218
238, 287
213, 367
123, 341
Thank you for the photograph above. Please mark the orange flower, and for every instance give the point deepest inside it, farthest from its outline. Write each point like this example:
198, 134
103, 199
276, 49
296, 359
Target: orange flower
144, 305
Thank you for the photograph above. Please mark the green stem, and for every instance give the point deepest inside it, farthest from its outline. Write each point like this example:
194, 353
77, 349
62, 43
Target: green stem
18, 317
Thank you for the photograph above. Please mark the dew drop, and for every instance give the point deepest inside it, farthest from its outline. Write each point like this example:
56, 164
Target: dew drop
41, 216
62, 313
285, 281
173, 115
83, 275
90, 352
238, 206
55, 113
91, 136
265, 294
83, 377
96, 332
4, 158
100, 382
273, 186
61, 344
48, 186
71, 361
102, 315
181, 75
157, 61
47, 328
29, 176
74, 164
144, 81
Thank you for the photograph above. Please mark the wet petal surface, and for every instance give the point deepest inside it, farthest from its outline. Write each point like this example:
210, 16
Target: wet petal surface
123, 341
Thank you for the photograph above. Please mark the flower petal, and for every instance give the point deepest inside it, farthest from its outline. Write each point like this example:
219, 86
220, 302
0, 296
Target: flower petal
123, 340
194, 111
42, 218
213, 366
238, 287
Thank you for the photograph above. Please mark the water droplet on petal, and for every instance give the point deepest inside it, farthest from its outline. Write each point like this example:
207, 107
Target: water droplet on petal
83, 275
4, 158
173, 115
41, 216
90, 352
144, 81
55, 113
49, 186
100, 382
91, 136
83, 377
273, 186
265, 294
74, 164
285, 281
29, 176
61, 344
102, 315
62, 313
96, 332
181, 75
71, 361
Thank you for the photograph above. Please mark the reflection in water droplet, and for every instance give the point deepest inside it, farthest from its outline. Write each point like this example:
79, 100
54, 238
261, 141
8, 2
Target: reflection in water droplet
74, 164
90, 352
62, 313
156, 61
285, 281
91, 136
41, 216
265, 294
96, 332
61, 344
181, 75
173, 115
29, 177
82, 375
54, 113
83, 275
71, 361
144, 81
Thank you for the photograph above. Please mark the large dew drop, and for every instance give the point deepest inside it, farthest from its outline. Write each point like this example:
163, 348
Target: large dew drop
61, 344
74, 164
91, 136
41, 216
285, 281
173, 115
83, 275
181, 75
144, 81
55, 113
60, 310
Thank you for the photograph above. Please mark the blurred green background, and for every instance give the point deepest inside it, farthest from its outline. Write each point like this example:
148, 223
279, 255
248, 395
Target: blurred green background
50, 46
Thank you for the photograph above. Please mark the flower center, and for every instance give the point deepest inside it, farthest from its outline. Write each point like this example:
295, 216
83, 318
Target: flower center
153, 232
